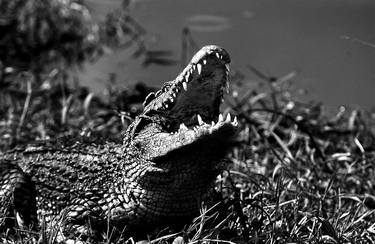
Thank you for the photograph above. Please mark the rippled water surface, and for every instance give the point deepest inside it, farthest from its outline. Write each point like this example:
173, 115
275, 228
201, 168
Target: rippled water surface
276, 37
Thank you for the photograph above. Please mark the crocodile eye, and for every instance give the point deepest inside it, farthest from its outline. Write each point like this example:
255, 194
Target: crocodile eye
148, 99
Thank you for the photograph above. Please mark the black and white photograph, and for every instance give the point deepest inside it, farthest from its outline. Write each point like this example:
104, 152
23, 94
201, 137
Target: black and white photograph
187, 121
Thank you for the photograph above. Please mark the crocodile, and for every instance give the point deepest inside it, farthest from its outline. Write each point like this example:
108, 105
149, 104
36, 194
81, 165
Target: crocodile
158, 175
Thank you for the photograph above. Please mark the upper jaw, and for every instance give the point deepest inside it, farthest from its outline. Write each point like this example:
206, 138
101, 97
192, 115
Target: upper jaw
200, 60
198, 68
195, 95
208, 50
207, 56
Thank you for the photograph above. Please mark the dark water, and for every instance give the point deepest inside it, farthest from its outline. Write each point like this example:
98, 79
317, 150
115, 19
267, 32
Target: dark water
276, 37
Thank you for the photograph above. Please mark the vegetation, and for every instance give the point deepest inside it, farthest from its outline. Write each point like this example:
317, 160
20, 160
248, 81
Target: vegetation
298, 173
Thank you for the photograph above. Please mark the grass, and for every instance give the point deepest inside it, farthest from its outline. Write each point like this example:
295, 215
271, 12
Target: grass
298, 174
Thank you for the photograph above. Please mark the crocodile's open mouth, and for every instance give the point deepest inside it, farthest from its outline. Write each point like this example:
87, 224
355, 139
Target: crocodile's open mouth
183, 118
194, 97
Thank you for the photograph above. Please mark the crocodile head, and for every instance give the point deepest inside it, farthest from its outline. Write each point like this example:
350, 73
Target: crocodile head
193, 99
186, 110
182, 137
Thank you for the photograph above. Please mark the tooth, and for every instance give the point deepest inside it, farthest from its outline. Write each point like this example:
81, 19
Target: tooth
187, 77
212, 123
193, 67
217, 55
228, 119
204, 61
184, 84
199, 66
200, 121
173, 94
235, 122
171, 99
221, 56
183, 127
220, 118
227, 67
166, 105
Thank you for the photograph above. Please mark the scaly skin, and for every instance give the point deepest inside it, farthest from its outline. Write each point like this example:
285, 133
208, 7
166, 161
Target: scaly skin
158, 176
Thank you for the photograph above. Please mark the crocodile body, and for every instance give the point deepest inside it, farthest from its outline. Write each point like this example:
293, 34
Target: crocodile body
165, 166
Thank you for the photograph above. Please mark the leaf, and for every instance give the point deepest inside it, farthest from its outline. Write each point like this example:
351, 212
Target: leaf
157, 53
159, 57
208, 23
159, 61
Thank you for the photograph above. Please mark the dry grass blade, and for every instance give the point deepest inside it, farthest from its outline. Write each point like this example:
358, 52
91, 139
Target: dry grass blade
27, 102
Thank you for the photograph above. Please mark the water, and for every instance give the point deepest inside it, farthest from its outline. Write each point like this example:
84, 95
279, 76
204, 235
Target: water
276, 37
